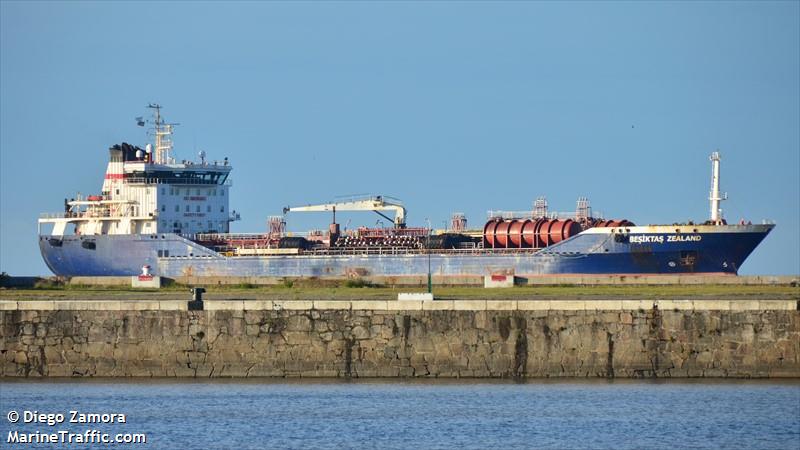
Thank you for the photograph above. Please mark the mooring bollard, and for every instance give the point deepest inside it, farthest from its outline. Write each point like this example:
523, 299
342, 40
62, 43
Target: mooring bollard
196, 304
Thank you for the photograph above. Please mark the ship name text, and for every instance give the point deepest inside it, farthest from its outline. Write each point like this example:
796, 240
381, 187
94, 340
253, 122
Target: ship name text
660, 239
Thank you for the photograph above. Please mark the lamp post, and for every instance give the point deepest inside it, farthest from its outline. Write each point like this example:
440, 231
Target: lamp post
428, 246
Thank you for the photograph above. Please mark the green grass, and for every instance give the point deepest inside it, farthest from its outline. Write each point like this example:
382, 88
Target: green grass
363, 290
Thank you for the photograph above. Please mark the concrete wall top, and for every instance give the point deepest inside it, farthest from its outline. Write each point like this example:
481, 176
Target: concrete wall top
406, 305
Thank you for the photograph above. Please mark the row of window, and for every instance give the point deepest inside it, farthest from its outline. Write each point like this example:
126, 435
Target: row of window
185, 225
165, 254
189, 208
188, 191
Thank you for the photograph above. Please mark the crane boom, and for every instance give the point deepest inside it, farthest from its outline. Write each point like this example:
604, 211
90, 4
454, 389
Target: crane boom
376, 203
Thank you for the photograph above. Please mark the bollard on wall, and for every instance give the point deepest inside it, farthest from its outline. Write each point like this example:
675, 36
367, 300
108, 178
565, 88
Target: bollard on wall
196, 304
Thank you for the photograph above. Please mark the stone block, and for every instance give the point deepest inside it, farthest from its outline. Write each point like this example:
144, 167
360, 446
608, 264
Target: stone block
501, 305
223, 305
437, 305
360, 332
744, 305
603, 305
681, 305
258, 305
533, 305
108, 305
20, 357
298, 322
332, 304
297, 337
6, 305
139, 305
66, 305
292, 304
58, 370
38, 305
567, 305
469, 305
635, 305
777, 305
404, 305
372, 305
709, 305
173, 305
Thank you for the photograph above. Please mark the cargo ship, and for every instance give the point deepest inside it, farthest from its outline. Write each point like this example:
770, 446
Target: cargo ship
174, 217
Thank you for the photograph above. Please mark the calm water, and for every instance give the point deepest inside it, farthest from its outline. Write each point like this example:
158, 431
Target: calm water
371, 414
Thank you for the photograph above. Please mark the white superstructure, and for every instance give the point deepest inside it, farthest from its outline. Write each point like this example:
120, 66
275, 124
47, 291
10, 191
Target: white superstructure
146, 193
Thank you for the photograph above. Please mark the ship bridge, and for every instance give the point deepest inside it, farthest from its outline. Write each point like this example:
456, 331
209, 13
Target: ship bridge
185, 173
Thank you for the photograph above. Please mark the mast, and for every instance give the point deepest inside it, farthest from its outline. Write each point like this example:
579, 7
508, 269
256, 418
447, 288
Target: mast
715, 197
162, 132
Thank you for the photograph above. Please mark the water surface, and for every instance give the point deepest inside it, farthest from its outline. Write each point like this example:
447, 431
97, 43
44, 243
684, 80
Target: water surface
422, 414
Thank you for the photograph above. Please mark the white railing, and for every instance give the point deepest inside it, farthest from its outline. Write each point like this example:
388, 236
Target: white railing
225, 236
129, 211
333, 251
175, 181
248, 236
491, 214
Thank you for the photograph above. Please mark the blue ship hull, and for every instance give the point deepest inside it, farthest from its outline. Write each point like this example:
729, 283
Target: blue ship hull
641, 250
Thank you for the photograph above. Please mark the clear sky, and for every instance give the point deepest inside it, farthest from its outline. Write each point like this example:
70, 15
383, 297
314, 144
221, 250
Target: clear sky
449, 106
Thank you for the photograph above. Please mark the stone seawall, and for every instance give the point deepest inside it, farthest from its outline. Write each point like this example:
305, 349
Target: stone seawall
659, 340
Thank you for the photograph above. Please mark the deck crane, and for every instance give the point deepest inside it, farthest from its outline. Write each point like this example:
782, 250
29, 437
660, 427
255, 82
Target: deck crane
375, 203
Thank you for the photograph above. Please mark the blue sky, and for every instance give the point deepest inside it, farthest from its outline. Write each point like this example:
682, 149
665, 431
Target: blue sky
449, 106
